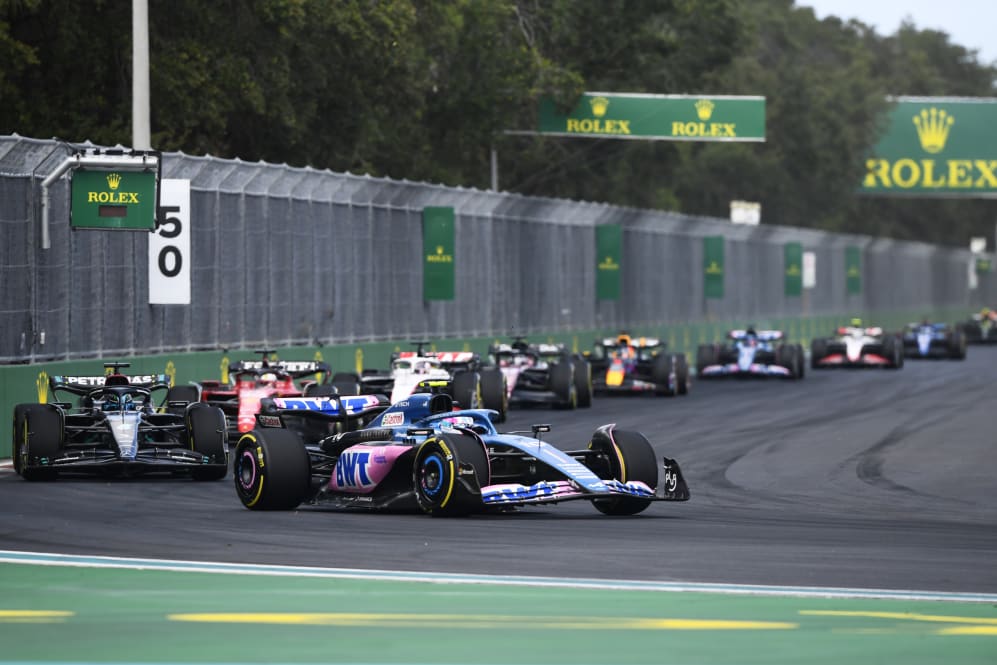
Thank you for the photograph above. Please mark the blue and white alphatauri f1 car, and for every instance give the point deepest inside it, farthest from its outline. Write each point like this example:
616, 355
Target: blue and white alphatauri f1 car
934, 340
421, 454
750, 352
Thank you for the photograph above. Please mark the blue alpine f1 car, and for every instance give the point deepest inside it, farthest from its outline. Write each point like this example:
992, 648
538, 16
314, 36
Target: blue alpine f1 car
421, 454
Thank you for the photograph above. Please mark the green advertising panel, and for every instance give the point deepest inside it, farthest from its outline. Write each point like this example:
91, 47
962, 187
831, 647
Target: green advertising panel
936, 145
853, 270
109, 199
438, 253
983, 265
657, 117
793, 268
713, 267
609, 258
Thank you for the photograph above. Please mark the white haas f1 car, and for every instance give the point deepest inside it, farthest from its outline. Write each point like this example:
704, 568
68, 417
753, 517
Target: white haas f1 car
117, 428
470, 384
421, 454
751, 353
857, 346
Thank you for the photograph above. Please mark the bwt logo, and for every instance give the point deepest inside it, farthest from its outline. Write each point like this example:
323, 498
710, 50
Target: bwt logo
351, 469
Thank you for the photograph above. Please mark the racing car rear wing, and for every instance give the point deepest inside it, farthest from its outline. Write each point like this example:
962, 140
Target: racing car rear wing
331, 408
293, 368
761, 335
81, 385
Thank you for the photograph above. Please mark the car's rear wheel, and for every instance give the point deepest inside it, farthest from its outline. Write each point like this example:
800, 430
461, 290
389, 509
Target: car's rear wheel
449, 471
184, 393
319, 390
627, 456
583, 382
681, 374
562, 383
37, 440
494, 394
207, 435
790, 356
661, 374
467, 390
957, 345
346, 383
818, 350
706, 355
272, 470
893, 349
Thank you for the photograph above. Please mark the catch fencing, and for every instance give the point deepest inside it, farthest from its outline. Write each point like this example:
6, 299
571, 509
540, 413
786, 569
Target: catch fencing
284, 256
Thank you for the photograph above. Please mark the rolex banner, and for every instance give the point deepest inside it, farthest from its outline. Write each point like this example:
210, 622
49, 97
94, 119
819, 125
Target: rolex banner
793, 268
656, 117
438, 253
936, 145
853, 271
609, 250
713, 267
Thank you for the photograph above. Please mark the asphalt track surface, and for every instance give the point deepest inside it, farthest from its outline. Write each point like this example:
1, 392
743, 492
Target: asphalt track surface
849, 478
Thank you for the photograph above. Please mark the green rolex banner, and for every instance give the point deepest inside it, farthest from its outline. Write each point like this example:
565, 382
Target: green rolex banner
983, 265
713, 267
793, 270
438, 253
853, 270
616, 115
609, 253
109, 199
936, 145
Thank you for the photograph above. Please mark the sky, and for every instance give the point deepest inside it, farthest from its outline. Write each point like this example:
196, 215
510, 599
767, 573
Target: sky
971, 24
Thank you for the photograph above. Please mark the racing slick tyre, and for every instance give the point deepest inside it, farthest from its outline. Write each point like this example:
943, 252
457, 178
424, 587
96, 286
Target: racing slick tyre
206, 434
706, 355
661, 374
818, 350
973, 331
449, 471
801, 360
272, 470
318, 390
562, 383
583, 382
957, 345
628, 456
494, 394
893, 350
38, 432
790, 356
467, 390
346, 383
185, 393
681, 373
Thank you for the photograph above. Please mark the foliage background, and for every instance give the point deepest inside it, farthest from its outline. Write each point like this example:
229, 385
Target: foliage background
422, 90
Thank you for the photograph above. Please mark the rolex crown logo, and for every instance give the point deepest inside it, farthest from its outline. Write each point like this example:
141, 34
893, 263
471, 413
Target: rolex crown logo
439, 250
933, 129
599, 106
113, 180
704, 109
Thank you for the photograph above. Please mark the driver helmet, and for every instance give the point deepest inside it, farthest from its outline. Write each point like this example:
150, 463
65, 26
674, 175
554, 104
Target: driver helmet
268, 376
856, 322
